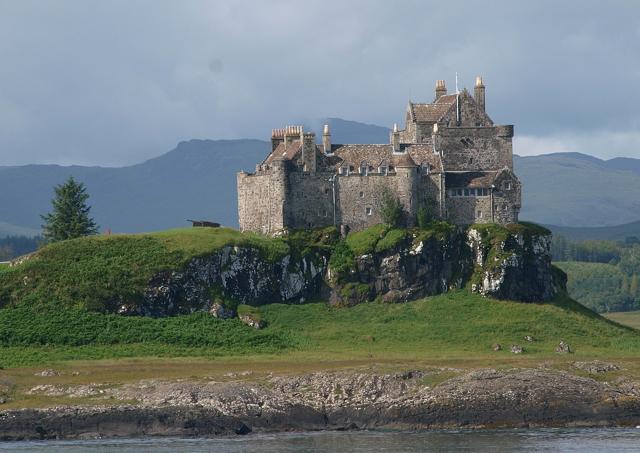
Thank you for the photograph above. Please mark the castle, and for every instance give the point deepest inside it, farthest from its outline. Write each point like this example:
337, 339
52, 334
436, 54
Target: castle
450, 159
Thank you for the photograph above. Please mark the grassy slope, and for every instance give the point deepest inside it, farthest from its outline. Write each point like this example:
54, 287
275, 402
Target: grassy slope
454, 325
84, 272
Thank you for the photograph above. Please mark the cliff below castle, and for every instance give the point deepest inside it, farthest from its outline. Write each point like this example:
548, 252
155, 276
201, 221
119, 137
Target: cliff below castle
183, 271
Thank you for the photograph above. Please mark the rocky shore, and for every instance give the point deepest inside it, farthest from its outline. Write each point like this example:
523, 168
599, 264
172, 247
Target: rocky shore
419, 399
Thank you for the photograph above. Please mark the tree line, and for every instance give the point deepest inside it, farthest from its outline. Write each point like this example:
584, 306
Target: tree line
603, 275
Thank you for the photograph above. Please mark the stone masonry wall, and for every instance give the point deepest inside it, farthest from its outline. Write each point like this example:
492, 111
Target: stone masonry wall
261, 199
311, 200
357, 194
475, 148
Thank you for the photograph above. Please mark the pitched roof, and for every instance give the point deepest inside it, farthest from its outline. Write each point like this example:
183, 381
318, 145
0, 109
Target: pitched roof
432, 113
470, 179
281, 153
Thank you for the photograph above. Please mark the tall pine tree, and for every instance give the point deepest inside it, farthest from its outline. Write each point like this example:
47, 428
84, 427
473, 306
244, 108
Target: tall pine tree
69, 218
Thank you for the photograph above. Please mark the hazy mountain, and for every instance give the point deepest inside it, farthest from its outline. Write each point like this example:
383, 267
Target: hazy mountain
198, 180
610, 233
572, 189
6, 229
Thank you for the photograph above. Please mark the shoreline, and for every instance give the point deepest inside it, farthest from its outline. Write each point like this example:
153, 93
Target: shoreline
333, 401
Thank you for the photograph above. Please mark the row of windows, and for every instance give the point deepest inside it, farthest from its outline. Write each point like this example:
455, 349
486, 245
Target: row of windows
365, 169
481, 192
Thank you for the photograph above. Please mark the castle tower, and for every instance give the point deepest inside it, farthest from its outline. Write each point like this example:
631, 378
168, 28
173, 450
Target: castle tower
478, 93
441, 89
326, 140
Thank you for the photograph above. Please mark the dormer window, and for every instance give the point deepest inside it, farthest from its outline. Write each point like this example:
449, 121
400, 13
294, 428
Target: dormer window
383, 170
506, 185
364, 169
426, 168
344, 170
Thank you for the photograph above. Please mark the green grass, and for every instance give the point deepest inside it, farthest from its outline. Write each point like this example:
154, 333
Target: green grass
89, 272
454, 325
364, 242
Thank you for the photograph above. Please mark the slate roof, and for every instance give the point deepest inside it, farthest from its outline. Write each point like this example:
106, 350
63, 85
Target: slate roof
471, 179
432, 113
281, 153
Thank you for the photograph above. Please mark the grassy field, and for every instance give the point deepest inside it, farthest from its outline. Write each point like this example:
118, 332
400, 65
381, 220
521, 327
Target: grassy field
454, 325
627, 318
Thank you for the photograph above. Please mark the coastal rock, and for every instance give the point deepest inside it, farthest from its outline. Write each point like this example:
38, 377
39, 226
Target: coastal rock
335, 400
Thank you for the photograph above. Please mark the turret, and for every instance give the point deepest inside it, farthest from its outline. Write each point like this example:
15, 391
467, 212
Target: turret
326, 140
395, 139
478, 93
441, 89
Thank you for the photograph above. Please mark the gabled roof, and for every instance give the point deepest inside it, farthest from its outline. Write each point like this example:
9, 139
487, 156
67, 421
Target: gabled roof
281, 153
432, 113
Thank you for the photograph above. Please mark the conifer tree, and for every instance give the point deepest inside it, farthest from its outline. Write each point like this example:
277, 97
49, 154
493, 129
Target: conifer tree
69, 218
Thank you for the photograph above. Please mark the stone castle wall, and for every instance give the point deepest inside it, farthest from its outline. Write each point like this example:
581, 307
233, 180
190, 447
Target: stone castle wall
360, 197
476, 148
261, 199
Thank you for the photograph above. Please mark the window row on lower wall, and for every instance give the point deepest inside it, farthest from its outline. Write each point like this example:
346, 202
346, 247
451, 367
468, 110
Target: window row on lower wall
481, 192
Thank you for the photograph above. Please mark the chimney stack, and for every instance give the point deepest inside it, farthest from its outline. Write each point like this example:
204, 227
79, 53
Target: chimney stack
326, 140
441, 89
395, 139
478, 93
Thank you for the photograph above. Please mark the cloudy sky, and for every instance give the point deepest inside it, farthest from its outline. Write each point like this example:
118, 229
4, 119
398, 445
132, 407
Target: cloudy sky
117, 82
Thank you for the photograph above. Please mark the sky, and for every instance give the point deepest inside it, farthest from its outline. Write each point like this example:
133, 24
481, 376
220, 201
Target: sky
117, 82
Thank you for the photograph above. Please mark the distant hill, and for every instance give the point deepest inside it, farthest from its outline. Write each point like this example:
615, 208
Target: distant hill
198, 180
195, 180
611, 233
572, 189
7, 229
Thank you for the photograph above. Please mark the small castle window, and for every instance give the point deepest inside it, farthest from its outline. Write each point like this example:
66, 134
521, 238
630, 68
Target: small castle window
470, 160
479, 214
391, 168
426, 168
507, 185
466, 192
368, 211
382, 170
361, 194
344, 170
364, 169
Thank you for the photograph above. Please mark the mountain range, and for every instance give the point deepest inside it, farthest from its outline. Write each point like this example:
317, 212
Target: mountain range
197, 180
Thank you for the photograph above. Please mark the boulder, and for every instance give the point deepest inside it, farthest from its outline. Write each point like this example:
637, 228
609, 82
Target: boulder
563, 348
251, 321
517, 349
220, 311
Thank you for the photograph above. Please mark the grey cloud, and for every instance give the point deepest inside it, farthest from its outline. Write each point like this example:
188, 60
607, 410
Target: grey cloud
116, 82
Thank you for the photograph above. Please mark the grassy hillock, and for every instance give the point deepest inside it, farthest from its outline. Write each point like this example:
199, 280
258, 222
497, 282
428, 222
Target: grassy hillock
454, 325
87, 272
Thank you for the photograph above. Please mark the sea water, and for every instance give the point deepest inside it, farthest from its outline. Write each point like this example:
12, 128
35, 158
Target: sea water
520, 440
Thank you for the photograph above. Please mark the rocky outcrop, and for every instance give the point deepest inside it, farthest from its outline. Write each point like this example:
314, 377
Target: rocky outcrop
513, 264
492, 260
336, 400
240, 274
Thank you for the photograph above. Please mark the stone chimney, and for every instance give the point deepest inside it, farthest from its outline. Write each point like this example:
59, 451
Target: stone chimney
395, 139
326, 140
478, 93
308, 141
441, 89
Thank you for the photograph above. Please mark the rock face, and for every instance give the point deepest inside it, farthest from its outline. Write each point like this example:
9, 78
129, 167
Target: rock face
335, 400
516, 266
491, 260
241, 274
